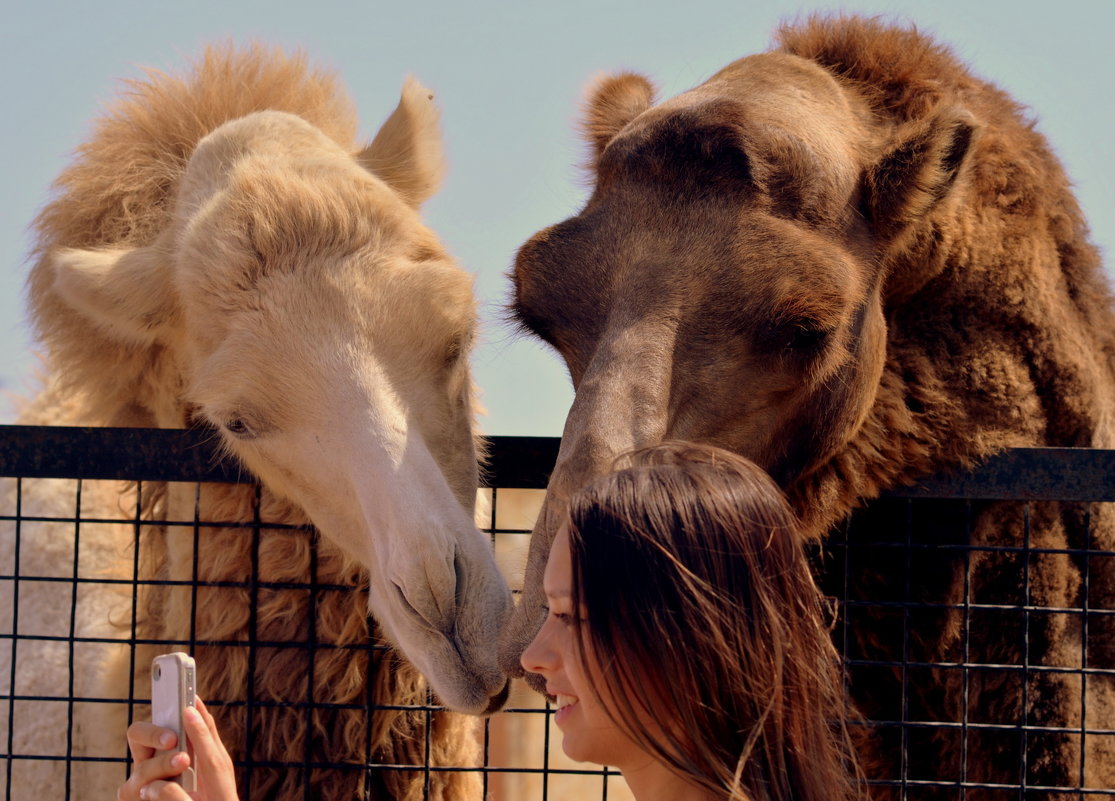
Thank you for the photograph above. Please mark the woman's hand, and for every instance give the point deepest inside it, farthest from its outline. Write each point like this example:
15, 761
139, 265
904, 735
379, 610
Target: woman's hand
153, 765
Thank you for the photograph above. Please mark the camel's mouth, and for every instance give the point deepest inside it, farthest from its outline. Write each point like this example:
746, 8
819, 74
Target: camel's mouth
461, 670
536, 682
497, 701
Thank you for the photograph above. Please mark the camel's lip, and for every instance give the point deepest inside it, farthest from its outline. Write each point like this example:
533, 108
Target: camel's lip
496, 702
460, 681
536, 682
558, 696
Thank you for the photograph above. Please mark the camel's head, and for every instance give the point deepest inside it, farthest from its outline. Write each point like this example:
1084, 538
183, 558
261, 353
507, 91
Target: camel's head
726, 280
322, 329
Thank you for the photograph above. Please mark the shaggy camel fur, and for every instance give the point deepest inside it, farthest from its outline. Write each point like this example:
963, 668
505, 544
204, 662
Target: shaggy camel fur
222, 253
858, 264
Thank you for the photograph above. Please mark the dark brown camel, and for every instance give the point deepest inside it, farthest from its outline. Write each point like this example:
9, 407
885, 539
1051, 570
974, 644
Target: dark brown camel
858, 264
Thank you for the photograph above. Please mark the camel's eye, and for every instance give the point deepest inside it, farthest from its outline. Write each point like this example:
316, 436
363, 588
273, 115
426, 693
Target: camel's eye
239, 428
804, 339
800, 338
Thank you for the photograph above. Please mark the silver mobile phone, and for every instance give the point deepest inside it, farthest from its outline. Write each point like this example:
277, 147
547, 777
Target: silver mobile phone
172, 689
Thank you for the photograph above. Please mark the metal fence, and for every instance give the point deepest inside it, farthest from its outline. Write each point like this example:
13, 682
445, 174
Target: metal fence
970, 555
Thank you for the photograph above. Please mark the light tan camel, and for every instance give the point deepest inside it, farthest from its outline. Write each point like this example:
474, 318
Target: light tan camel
222, 252
858, 264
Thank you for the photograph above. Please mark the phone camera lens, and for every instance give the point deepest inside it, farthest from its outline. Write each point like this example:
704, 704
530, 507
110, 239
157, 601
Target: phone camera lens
158, 672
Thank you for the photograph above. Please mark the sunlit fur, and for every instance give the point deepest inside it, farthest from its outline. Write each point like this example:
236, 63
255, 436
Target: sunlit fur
222, 252
858, 264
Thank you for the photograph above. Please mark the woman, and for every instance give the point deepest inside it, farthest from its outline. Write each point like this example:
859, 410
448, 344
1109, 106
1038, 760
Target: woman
685, 644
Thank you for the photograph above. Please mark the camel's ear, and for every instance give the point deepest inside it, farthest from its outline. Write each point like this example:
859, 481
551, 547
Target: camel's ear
407, 152
611, 103
917, 171
126, 291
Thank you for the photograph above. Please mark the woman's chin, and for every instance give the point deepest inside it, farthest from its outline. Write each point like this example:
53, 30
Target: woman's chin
581, 748
575, 750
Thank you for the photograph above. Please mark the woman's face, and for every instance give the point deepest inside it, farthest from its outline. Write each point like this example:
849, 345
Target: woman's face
590, 735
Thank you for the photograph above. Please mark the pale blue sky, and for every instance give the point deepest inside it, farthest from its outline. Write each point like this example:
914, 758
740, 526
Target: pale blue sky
509, 78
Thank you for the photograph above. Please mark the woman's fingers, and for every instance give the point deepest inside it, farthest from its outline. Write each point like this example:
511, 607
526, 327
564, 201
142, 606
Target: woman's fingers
210, 723
155, 770
154, 764
144, 739
211, 760
209, 751
164, 791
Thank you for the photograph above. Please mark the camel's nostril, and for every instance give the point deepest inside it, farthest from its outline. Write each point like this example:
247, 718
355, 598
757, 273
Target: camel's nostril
422, 618
458, 581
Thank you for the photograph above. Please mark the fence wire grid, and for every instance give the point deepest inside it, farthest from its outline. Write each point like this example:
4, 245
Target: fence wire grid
1010, 562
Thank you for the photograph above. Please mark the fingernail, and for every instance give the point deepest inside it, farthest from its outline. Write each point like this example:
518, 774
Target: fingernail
192, 714
179, 760
143, 793
166, 739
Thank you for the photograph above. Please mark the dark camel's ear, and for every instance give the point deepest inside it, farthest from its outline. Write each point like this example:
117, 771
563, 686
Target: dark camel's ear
917, 171
407, 152
125, 291
611, 103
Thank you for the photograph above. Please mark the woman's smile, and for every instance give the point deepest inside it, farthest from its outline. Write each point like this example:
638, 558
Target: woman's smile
565, 704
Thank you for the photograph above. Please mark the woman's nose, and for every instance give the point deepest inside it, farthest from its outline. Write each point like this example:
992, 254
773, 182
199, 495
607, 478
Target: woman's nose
539, 657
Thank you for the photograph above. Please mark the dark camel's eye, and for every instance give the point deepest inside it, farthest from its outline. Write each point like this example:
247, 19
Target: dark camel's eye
807, 339
798, 338
239, 428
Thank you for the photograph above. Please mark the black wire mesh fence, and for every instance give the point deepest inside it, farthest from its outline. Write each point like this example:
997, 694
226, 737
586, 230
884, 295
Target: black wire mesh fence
977, 619
978, 626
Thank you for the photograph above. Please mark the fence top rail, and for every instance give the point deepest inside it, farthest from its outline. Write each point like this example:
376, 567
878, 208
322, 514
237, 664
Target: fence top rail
1027, 474
194, 454
160, 454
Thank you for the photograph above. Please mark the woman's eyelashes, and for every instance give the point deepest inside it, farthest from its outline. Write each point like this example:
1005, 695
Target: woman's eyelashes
564, 618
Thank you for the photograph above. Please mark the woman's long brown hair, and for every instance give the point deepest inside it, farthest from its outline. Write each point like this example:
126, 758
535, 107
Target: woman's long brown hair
702, 620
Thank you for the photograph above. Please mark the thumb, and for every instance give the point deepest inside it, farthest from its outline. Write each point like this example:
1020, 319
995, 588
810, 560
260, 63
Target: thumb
212, 762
